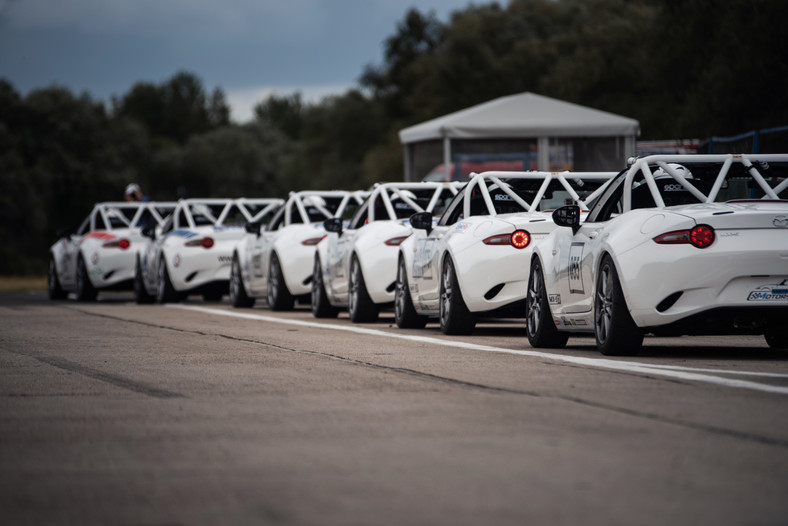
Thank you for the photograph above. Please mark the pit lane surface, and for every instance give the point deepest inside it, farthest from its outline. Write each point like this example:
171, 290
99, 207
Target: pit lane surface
114, 413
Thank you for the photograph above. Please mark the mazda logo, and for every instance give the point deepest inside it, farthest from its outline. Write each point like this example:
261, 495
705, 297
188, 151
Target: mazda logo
780, 221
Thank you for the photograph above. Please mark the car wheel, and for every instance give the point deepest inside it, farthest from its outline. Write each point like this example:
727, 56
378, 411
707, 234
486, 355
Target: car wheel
404, 312
165, 292
54, 289
321, 306
279, 298
455, 317
776, 337
360, 305
141, 295
238, 296
615, 331
538, 319
85, 289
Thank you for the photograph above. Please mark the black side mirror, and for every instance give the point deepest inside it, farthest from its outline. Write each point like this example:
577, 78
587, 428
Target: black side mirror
333, 224
253, 227
64, 232
422, 221
149, 231
567, 216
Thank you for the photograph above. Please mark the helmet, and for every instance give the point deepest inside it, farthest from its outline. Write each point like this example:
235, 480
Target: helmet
661, 173
314, 200
132, 188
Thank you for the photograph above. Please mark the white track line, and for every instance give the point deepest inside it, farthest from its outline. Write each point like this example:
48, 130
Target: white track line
677, 372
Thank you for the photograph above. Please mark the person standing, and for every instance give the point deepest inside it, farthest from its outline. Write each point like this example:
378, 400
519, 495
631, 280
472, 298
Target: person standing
134, 193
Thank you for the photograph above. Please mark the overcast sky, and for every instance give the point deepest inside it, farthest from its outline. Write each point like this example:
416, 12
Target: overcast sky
248, 48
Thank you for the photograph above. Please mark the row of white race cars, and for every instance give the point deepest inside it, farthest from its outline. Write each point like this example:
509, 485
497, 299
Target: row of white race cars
694, 244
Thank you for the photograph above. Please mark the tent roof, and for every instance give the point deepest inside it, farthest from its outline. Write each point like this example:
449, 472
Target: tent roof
522, 115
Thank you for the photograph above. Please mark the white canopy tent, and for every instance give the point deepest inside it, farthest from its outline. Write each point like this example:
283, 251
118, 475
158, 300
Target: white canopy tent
527, 115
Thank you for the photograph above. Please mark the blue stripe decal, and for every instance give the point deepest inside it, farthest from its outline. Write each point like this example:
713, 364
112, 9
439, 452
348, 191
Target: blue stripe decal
183, 233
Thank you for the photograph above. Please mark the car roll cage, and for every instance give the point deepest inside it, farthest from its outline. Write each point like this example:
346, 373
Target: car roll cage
296, 200
108, 210
243, 204
498, 178
385, 191
642, 165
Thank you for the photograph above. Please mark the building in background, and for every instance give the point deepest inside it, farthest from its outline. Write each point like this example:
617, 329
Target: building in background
518, 132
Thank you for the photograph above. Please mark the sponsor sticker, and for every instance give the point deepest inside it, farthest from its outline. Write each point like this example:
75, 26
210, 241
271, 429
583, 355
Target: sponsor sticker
225, 259
554, 299
576, 285
673, 188
772, 292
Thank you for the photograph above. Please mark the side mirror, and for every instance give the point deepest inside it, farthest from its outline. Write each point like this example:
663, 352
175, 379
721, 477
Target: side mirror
64, 232
253, 227
149, 231
567, 216
422, 221
333, 224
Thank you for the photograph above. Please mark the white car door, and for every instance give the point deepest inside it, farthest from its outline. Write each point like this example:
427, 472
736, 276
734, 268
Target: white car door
427, 258
339, 261
577, 256
68, 256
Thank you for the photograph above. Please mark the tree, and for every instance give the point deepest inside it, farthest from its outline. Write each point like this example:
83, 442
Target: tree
284, 113
175, 109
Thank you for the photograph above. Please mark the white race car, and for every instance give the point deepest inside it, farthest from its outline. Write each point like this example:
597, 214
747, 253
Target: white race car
472, 261
694, 244
191, 252
276, 262
100, 254
356, 267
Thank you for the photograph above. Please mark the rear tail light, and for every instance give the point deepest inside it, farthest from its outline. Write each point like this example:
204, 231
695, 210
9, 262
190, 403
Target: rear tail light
312, 241
517, 239
701, 236
122, 244
395, 241
206, 242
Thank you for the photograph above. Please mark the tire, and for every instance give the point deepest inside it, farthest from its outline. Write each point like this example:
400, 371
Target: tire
238, 296
279, 298
404, 312
538, 319
54, 290
776, 337
615, 331
165, 292
85, 289
141, 295
321, 306
455, 318
360, 305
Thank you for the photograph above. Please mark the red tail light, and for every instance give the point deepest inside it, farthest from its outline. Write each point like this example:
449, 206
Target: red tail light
312, 241
520, 239
701, 236
395, 241
517, 239
122, 244
206, 242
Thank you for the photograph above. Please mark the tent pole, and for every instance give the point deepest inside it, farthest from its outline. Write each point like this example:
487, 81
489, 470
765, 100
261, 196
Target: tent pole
543, 153
447, 156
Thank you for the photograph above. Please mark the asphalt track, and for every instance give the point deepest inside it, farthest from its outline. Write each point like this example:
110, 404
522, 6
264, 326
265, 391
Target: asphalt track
198, 413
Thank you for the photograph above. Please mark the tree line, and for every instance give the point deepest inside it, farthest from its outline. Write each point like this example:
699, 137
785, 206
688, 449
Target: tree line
688, 69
